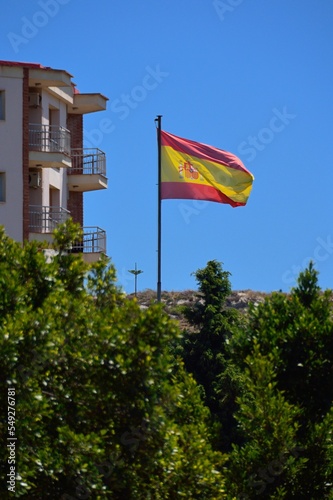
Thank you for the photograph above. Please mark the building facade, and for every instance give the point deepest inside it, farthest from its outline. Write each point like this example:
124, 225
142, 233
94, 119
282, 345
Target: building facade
44, 167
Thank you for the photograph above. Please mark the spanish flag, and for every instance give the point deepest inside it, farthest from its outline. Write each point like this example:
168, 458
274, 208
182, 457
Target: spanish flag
191, 170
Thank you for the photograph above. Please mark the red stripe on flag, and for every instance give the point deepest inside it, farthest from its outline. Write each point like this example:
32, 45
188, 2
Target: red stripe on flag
189, 191
203, 151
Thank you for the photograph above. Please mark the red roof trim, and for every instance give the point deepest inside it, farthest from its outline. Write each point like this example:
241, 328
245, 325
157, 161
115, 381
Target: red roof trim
22, 64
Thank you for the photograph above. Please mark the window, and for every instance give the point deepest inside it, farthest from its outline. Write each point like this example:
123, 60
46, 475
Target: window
2, 186
2, 104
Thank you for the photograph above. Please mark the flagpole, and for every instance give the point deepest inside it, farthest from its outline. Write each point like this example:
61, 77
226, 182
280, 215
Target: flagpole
159, 210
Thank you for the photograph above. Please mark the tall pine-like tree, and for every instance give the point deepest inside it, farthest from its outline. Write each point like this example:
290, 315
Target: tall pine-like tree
205, 350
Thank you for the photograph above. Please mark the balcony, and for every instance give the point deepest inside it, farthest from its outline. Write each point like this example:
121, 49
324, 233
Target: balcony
44, 219
88, 170
93, 243
49, 146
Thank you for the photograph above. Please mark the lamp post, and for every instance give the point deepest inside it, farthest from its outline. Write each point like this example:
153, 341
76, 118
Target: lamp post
136, 272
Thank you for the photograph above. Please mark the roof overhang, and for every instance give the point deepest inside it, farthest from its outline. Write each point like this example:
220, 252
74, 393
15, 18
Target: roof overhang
87, 103
44, 77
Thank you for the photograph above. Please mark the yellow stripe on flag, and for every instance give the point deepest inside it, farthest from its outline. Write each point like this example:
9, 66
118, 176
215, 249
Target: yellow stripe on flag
180, 167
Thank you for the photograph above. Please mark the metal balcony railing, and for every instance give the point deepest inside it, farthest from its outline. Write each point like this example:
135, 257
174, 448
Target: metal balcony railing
49, 138
88, 161
44, 219
93, 241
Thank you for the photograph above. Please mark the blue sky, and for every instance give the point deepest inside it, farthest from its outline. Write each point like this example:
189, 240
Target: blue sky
251, 77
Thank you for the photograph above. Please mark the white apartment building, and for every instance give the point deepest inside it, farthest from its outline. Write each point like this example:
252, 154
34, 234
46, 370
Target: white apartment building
44, 167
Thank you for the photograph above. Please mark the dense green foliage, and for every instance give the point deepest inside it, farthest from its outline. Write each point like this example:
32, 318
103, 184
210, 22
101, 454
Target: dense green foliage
285, 357
112, 401
103, 409
272, 375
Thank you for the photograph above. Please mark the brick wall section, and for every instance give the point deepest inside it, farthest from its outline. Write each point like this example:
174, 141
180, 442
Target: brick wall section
75, 206
25, 154
75, 125
75, 199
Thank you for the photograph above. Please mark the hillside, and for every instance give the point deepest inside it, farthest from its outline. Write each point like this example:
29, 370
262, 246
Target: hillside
173, 300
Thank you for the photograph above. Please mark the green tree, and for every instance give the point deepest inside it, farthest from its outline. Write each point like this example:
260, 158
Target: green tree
285, 360
103, 409
269, 457
205, 350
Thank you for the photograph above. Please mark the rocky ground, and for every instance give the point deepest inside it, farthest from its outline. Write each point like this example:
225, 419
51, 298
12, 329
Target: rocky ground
173, 301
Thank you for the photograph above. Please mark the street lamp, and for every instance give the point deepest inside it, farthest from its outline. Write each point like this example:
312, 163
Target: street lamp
136, 272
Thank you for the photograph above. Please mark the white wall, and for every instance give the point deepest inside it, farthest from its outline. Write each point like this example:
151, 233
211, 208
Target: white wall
11, 212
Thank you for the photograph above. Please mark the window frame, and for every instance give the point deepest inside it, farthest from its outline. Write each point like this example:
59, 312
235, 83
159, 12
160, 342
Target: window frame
2, 105
2, 187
